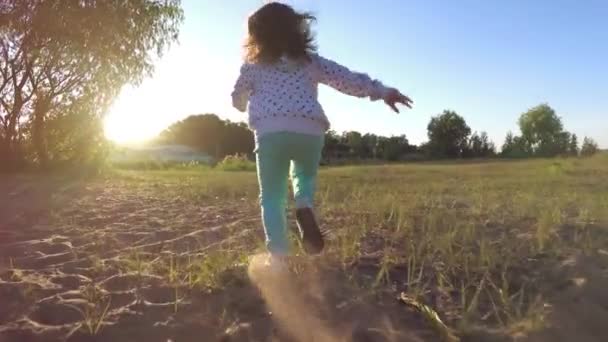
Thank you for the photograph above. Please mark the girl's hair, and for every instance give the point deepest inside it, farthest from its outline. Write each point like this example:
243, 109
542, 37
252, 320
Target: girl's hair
277, 29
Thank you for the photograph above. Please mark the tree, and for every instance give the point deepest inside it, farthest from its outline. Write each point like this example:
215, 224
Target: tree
239, 139
480, 146
507, 146
474, 148
370, 143
543, 131
573, 145
589, 147
515, 147
330, 148
67, 60
334, 147
392, 148
355, 141
448, 135
561, 144
368, 146
209, 134
488, 149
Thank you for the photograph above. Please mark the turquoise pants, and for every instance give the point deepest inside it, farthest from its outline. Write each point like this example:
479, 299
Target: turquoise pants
276, 152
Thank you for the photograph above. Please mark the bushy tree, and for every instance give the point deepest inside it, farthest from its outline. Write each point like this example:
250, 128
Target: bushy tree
589, 147
542, 135
237, 139
543, 132
488, 148
515, 147
573, 145
480, 146
561, 144
370, 143
210, 134
66, 60
507, 146
448, 135
540, 124
354, 140
393, 148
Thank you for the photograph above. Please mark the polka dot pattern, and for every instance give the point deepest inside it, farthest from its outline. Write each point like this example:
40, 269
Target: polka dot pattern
285, 94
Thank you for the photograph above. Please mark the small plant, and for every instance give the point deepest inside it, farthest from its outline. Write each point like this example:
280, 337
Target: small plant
546, 226
414, 279
136, 262
349, 246
95, 310
470, 306
174, 280
207, 271
386, 263
516, 310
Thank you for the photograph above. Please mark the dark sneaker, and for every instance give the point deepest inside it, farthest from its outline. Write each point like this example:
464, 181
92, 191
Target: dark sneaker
312, 238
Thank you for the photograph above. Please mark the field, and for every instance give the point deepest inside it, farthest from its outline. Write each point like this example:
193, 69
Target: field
476, 251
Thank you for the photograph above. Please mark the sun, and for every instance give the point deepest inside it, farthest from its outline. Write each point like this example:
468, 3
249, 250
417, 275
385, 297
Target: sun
142, 111
133, 118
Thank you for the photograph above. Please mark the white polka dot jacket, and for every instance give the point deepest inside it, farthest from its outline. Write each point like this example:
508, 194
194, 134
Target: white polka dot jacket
283, 96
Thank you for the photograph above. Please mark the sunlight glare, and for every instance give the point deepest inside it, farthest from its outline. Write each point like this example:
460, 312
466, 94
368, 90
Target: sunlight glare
130, 120
186, 82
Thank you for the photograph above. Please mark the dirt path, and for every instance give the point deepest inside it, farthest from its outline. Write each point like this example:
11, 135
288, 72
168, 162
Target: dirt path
80, 280
579, 306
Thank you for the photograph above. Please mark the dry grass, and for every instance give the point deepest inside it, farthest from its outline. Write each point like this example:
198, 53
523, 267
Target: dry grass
477, 246
470, 239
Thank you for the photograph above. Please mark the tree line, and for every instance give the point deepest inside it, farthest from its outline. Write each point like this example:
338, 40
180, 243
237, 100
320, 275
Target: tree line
449, 137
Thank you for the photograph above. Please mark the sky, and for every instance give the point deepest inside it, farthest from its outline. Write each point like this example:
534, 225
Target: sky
489, 61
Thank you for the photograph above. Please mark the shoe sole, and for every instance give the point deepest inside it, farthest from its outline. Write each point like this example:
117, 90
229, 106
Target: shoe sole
312, 238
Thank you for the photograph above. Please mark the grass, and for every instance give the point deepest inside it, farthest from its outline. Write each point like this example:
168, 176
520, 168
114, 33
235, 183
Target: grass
468, 242
95, 311
236, 163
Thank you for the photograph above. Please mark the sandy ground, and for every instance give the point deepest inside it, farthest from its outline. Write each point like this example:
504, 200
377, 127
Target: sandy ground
53, 277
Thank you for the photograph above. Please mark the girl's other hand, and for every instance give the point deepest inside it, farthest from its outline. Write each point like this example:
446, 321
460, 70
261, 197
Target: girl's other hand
394, 96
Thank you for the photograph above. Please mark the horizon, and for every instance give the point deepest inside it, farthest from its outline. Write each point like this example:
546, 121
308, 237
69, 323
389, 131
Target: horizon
523, 56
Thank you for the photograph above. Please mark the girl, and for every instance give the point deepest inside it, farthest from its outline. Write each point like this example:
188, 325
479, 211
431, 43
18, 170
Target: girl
279, 82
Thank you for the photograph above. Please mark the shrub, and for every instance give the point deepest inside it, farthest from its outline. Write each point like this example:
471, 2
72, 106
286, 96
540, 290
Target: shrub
237, 162
589, 147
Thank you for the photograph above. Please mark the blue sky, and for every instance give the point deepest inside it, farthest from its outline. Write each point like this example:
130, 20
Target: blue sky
488, 60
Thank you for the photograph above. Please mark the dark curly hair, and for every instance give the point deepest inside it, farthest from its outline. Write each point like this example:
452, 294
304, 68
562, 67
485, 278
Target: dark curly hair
277, 29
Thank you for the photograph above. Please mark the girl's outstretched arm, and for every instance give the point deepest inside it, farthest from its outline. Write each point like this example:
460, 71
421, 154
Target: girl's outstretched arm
242, 89
356, 84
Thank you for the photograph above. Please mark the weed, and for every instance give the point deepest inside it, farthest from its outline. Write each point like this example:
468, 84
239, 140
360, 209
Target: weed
95, 310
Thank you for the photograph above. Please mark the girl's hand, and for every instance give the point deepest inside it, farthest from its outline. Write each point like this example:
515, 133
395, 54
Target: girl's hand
393, 96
